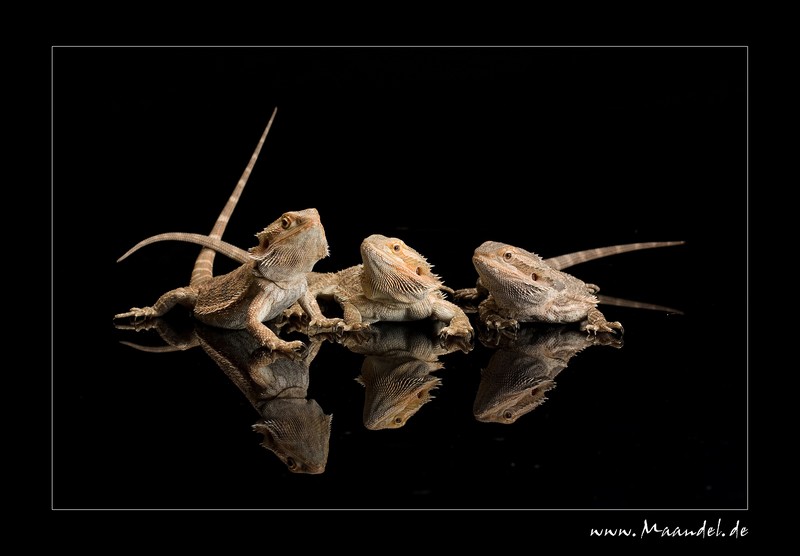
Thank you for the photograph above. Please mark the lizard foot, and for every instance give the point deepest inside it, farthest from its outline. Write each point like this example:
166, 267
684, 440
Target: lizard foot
294, 348
466, 295
496, 322
137, 325
603, 326
457, 331
326, 326
606, 339
493, 337
595, 322
357, 337
462, 343
137, 314
356, 327
359, 332
457, 335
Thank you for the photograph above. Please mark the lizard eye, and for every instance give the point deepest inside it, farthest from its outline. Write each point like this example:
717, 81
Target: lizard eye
534, 276
285, 222
398, 420
507, 255
508, 415
396, 247
290, 463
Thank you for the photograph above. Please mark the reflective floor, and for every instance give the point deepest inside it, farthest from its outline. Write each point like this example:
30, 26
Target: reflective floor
186, 416
554, 151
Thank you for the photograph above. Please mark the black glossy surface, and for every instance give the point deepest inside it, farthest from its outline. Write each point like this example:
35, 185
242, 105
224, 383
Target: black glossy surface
553, 150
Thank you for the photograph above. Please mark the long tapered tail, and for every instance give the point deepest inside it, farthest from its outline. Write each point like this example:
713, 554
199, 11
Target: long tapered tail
204, 265
619, 302
571, 259
216, 245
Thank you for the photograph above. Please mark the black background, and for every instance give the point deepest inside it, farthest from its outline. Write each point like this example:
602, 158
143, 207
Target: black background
550, 149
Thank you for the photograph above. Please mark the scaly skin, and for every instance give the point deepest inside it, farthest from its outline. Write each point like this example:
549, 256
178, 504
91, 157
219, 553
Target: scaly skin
270, 279
293, 427
519, 286
259, 290
523, 369
394, 283
396, 372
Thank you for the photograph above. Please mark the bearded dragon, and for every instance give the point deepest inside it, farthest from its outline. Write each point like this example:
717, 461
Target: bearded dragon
393, 283
524, 368
516, 286
293, 427
271, 278
397, 371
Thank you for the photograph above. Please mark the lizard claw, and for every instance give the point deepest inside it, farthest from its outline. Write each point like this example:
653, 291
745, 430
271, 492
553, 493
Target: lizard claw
458, 336
356, 327
294, 348
606, 339
496, 322
137, 314
138, 326
466, 295
324, 326
360, 332
456, 332
463, 343
604, 326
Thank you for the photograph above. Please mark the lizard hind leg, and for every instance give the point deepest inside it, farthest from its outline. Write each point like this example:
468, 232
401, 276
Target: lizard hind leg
596, 322
180, 296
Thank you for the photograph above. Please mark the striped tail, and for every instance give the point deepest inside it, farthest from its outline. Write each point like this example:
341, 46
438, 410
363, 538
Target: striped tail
219, 246
204, 265
619, 302
571, 259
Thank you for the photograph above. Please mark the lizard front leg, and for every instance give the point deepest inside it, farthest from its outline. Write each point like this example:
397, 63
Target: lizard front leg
180, 338
266, 337
318, 321
595, 322
458, 325
490, 316
181, 296
353, 319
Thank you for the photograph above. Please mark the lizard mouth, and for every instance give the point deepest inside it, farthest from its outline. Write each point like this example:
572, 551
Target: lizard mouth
496, 272
513, 406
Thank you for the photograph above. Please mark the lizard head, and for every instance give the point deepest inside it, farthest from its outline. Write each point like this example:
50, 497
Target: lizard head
517, 377
395, 389
393, 271
509, 406
513, 275
293, 243
524, 367
298, 432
